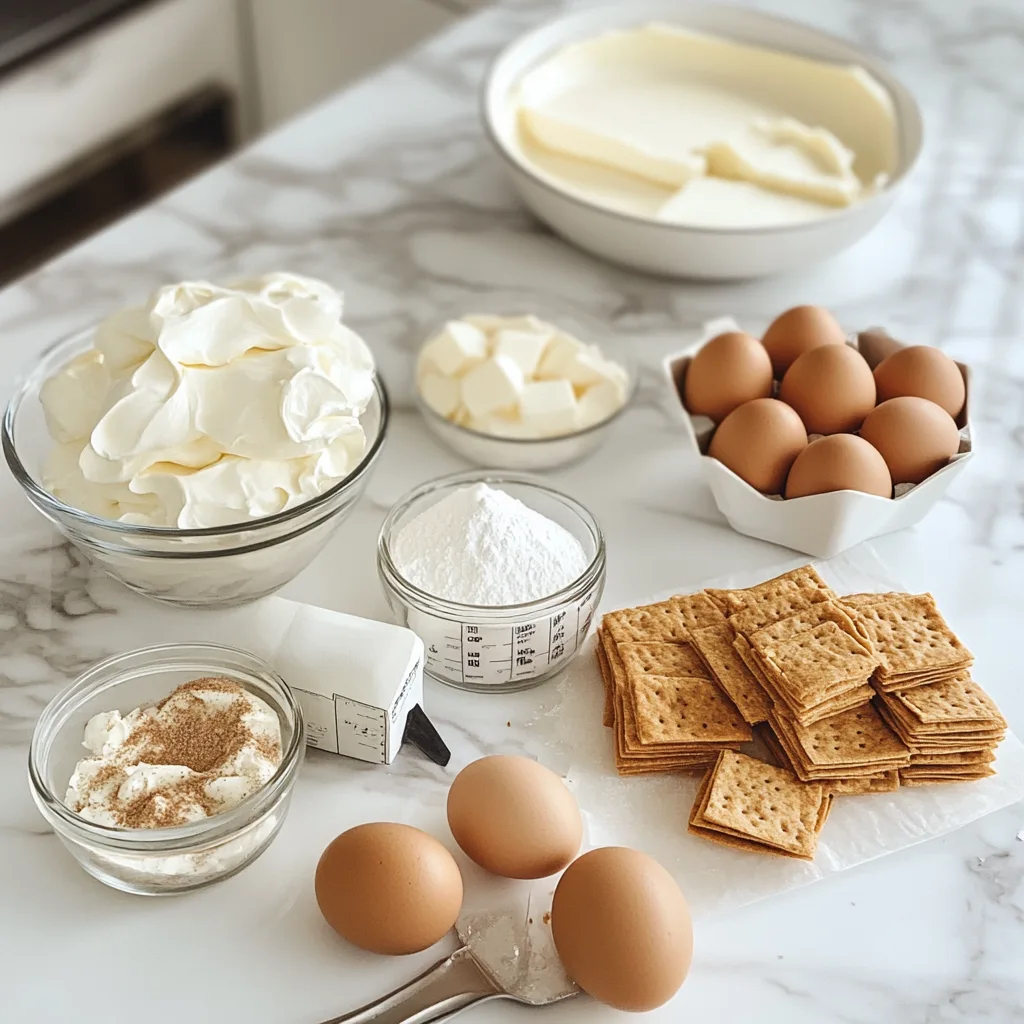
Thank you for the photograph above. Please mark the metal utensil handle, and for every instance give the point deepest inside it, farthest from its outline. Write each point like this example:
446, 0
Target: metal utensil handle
447, 988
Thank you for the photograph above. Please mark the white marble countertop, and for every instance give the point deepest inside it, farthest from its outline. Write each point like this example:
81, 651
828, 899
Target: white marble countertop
390, 191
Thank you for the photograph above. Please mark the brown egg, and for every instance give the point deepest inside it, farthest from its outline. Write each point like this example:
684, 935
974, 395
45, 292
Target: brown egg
758, 442
797, 331
622, 928
839, 462
388, 888
514, 817
916, 437
921, 371
831, 388
728, 371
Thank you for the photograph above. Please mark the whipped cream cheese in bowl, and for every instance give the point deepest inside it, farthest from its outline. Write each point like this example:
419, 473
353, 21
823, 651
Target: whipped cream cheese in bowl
202, 447
168, 768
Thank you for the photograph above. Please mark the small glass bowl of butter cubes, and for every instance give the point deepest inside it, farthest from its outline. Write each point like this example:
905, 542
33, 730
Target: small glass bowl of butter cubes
518, 392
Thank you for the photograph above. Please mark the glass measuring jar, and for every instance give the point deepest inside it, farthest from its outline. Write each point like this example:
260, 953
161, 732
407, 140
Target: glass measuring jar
497, 648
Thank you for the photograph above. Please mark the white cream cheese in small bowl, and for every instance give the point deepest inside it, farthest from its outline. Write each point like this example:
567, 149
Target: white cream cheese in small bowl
517, 392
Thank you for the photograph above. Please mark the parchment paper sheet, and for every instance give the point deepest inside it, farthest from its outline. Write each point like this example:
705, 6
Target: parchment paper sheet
651, 812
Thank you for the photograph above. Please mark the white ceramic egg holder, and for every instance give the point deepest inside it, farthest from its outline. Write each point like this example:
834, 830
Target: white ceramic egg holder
819, 524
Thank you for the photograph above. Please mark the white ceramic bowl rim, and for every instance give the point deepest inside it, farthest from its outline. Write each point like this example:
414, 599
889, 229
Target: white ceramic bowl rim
40, 495
219, 826
489, 99
457, 610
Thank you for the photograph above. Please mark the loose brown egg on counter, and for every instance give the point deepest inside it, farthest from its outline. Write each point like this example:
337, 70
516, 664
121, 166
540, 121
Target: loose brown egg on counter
839, 462
920, 371
622, 928
831, 388
514, 817
758, 442
388, 888
916, 437
729, 370
797, 331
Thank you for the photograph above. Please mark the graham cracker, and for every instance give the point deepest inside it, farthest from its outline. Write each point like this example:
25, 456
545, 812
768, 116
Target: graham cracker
764, 807
608, 713
780, 691
756, 607
859, 600
697, 610
629, 769
679, 709
837, 699
911, 636
913, 726
947, 741
667, 621
662, 659
985, 755
811, 662
911, 777
852, 739
955, 700
714, 644
804, 620
718, 599
855, 698
883, 782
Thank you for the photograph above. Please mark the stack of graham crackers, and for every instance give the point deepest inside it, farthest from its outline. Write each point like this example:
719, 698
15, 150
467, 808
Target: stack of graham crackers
850, 695
667, 712
952, 728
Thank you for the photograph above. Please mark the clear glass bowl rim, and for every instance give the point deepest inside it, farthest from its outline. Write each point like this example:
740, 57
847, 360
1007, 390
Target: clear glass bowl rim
183, 837
456, 610
626, 363
40, 496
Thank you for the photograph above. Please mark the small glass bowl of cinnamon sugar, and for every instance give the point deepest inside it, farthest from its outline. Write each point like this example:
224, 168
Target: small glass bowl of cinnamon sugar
164, 860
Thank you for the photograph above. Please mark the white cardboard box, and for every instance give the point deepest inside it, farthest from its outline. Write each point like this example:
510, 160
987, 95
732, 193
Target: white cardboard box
356, 679
820, 524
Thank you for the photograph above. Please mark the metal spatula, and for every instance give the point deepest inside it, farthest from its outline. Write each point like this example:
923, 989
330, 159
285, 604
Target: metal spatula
470, 976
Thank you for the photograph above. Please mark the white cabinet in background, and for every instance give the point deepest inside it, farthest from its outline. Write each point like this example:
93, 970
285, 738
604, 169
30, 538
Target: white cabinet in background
306, 49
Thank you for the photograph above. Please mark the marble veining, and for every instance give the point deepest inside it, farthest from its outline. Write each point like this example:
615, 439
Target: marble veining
390, 191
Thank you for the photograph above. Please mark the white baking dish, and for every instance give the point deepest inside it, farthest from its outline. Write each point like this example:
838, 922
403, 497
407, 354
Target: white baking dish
680, 250
820, 524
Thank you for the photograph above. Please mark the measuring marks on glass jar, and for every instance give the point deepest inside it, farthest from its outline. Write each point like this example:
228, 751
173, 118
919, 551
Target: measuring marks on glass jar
494, 654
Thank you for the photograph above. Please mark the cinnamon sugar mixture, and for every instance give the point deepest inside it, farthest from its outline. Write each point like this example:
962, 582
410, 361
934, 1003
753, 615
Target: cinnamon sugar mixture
200, 751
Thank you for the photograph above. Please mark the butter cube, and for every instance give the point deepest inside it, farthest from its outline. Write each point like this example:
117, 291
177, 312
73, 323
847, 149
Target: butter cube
442, 394
457, 348
599, 402
590, 367
525, 347
548, 408
560, 352
492, 386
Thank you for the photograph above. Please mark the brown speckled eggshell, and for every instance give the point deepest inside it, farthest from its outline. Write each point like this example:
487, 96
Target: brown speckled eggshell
758, 442
729, 370
831, 387
622, 928
388, 888
514, 817
839, 462
920, 371
916, 437
797, 331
